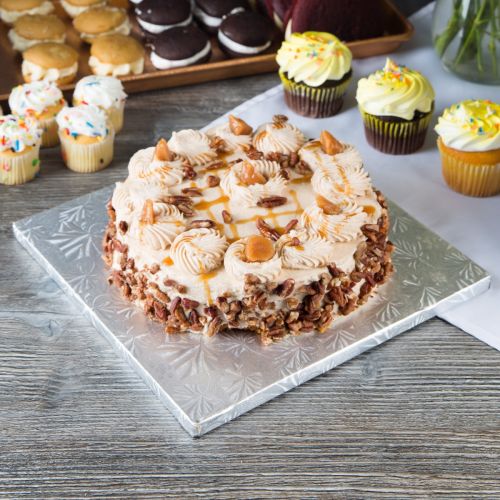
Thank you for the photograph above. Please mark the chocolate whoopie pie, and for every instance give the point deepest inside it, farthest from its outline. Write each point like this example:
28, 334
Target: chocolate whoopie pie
180, 46
245, 33
157, 16
211, 12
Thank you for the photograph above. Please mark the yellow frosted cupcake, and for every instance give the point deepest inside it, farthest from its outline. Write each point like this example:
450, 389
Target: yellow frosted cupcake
315, 69
396, 104
19, 148
42, 101
469, 143
86, 138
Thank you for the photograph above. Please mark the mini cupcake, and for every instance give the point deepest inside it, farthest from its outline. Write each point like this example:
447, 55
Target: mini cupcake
32, 29
210, 13
101, 21
75, 7
56, 62
245, 33
469, 143
86, 138
105, 92
41, 101
19, 148
116, 55
157, 16
181, 46
396, 104
12, 10
315, 69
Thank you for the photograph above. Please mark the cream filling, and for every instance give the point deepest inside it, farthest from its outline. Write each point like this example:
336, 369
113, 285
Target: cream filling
211, 21
160, 28
34, 72
161, 63
122, 29
104, 69
74, 10
10, 16
238, 47
21, 44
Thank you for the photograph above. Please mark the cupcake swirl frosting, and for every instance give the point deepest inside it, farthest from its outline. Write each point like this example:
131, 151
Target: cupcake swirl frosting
314, 58
145, 167
198, 251
278, 137
35, 97
237, 266
395, 91
83, 120
471, 125
192, 146
18, 133
101, 91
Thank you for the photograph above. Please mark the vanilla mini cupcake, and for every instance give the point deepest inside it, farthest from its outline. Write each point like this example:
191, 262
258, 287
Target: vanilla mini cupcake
42, 101
56, 62
19, 148
32, 29
75, 7
116, 55
101, 21
12, 10
86, 138
105, 92
469, 143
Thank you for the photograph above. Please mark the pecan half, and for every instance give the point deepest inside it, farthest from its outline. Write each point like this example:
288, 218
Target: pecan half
213, 180
191, 191
266, 230
272, 201
226, 216
201, 223
290, 226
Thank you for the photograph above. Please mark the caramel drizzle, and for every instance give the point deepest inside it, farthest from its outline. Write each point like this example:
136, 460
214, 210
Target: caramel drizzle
168, 261
205, 280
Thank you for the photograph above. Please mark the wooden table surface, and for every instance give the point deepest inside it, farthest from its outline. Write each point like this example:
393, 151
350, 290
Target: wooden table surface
417, 416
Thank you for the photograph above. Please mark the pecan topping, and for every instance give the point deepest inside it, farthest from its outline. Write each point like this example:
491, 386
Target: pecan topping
213, 180
189, 172
178, 199
226, 216
175, 304
286, 288
266, 230
280, 119
327, 206
123, 227
201, 223
303, 168
189, 304
272, 201
191, 191
218, 144
176, 286
214, 166
214, 327
290, 226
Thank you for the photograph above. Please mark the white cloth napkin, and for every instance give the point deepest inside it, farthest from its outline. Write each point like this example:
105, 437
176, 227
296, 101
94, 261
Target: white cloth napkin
414, 181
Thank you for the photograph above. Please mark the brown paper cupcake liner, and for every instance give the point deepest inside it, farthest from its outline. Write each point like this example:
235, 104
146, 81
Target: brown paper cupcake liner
19, 168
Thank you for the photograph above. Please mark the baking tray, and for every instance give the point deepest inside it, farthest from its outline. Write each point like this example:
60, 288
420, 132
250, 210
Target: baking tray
398, 30
206, 382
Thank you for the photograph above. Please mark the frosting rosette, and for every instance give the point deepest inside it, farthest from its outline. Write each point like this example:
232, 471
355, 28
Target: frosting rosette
198, 251
121, 201
34, 98
138, 192
232, 141
342, 226
278, 137
471, 125
395, 91
144, 166
312, 153
102, 91
18, 133
192, 146
314, 58
89, 121
248, 181
237, 265
338, 182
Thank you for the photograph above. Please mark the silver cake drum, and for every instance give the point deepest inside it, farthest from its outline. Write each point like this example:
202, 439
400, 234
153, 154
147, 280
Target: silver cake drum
206, 382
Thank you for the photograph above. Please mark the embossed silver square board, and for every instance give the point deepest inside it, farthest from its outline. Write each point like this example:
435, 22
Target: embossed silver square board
206, 382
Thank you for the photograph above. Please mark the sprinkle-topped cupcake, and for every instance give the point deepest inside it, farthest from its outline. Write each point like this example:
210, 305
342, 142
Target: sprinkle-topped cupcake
42, 101
396, 104
315, 69
86, 138
469, 143
19, 148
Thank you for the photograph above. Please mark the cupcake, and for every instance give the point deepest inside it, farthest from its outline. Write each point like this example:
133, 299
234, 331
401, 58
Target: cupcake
396, 104
86, 138
210, 13
75, 7
41, 101
116, 55
105, 92
12, 10
19, 148
37, 28
469, 143
157, 16
315, 69
56, 62
101, 21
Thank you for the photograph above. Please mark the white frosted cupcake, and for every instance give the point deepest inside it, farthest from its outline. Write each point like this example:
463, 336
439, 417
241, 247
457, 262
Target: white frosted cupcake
105, 92
19, 148
86, 138
42, 101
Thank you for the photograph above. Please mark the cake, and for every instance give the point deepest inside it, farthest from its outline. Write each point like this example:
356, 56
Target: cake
258, 230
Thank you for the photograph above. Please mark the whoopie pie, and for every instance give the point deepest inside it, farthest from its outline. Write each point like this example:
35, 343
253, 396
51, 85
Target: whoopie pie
210, 12
157, 16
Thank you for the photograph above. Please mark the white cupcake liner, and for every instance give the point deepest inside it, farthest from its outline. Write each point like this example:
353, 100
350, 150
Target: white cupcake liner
19, 168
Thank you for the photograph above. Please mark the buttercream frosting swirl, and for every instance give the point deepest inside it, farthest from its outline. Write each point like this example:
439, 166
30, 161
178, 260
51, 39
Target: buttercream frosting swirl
140, 191
278, 137
395, 91
192, 146
90, 121
249, 195
18, 133
233, 142
122, 202
312, 153
198, 251
34, 98
314, 58
338, 182
471, 125
102, 91
237, 266
145, 167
